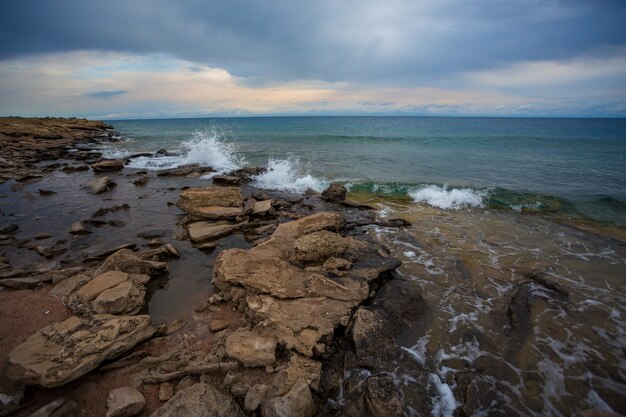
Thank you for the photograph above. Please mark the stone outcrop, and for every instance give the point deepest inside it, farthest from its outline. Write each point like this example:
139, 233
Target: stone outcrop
335, 192
185, 171
64, 351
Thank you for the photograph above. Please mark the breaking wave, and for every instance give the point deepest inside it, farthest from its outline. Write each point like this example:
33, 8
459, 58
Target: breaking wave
288, 175
445, 198
205, 148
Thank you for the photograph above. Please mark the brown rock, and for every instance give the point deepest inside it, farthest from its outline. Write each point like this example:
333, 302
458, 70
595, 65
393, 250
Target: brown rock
100, 185
255, 396
125, 298
262, 207
185, 170
79, 228
298, 402
200, 400
62, 352
381, 397
203, 231
335, 192
125, 402
226, 180
102, 282
109, 165
166, 391
194, 198
60, 407
251, 348
127, 261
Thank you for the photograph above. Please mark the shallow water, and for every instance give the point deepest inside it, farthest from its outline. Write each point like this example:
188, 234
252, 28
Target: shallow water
494, 342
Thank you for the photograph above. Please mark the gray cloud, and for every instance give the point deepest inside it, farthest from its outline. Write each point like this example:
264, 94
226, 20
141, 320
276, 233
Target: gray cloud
105, 93
393, 43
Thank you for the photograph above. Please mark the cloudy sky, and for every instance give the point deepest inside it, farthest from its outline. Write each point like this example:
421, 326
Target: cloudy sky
186, 58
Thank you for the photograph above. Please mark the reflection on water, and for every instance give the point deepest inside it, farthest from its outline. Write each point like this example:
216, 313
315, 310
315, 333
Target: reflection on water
526, 314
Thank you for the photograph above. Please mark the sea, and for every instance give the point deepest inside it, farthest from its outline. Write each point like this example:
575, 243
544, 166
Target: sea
516, 243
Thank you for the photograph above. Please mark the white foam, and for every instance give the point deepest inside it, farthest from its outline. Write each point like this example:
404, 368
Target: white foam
444, 403
288, 175
205, 148
444, 198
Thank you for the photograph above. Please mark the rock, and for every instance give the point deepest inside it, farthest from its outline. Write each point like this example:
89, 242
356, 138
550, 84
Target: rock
184, 383
217, 325
166, 391
100, 185
46, 192
125, 298
202, 231
141, 180
247, 174
298, 402
210, 196
335, 192
255, 396
216, 212
41, 236
381, 397
9, 229
79, 228
21, 283
69, 285
108, 165
262, 207
102, 282
64, 351
60, 407
316, 248
127, 261
185, 170
226, 180
251, 348
125, 402
200, 400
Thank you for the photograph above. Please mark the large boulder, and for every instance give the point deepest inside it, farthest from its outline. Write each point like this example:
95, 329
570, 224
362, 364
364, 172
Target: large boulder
64, 351
298, 402
200, 400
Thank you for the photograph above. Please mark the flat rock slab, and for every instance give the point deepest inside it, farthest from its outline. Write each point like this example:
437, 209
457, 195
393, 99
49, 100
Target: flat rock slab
64, 351
217, 212
203, 231
210, 196
251, 348
200, 400
109, 165
110, 279
100, 185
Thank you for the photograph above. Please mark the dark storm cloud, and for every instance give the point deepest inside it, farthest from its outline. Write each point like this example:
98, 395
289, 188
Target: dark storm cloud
269, 41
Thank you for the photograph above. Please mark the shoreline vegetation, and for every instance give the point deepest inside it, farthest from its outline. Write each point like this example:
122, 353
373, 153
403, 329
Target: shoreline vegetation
300, 294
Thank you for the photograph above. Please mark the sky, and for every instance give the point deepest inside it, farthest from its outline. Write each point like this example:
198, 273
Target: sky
193, 58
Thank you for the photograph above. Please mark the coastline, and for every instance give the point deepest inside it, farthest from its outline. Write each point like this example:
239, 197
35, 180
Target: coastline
369, 304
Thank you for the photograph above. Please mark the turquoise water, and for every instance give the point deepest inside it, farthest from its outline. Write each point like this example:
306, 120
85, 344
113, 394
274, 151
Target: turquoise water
575, 166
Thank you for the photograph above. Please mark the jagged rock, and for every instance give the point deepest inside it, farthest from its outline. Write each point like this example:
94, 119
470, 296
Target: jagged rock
100, 185
335, 192
79, 228
108, 165
127, 261
298, 402
204, 231
194, 198
60, 407
200, 400
125, 298
247, 174
125, 402
185, 170
381, 397
251, 348
255, 396
64, 351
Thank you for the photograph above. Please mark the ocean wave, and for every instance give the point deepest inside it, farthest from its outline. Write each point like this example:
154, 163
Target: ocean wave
205, 148
288, 175
445, 198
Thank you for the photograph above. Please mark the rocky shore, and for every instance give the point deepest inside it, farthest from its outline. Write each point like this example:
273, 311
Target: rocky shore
305, 291
127, 292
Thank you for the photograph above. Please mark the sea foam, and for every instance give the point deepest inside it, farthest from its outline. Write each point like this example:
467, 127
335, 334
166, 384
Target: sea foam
205, 148
288, 175
444, 198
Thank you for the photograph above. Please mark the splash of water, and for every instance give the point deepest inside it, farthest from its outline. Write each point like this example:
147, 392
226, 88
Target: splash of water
288, 175
205, 148
444, 198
